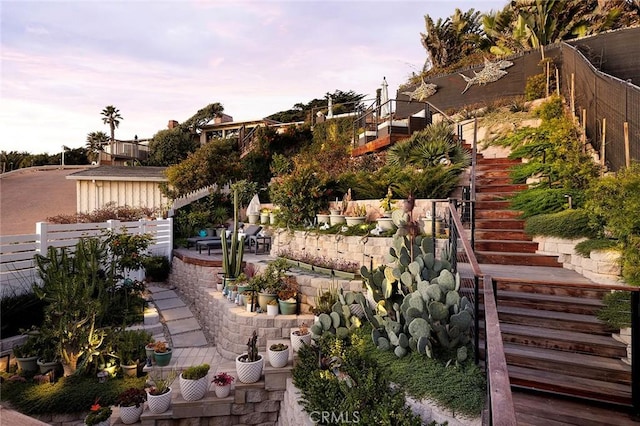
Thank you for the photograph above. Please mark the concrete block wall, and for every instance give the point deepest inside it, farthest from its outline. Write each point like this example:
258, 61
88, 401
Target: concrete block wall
361, 250
602, 266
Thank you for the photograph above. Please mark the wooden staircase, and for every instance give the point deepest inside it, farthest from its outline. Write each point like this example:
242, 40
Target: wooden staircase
500, 236
554, 343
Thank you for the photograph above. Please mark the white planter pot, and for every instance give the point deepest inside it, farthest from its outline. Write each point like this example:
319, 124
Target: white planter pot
249, 307
130, 415
322, 218
357, 310
354, 220
253, 218
298, 341
249, 372
272, 310
159, 403
278, 359
336, 219
193, 390
219, 287
385, 223
222, 391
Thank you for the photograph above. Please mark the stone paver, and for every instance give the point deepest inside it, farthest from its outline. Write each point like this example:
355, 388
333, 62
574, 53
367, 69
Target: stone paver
168, 304
192, 338
182, 325
176, 313
164, 294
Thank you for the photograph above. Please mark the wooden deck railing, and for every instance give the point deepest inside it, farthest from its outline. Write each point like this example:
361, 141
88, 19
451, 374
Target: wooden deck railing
500, 406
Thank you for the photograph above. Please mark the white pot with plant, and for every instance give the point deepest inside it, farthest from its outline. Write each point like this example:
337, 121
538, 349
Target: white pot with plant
249, 365
278, 355
194, 382
159, 394
300, 336
272, 307
131, 403
222, 382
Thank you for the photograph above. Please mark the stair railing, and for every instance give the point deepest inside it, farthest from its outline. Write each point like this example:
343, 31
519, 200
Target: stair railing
501, 411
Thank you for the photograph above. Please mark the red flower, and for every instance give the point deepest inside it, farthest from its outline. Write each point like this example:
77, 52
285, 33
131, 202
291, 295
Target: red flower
96, 406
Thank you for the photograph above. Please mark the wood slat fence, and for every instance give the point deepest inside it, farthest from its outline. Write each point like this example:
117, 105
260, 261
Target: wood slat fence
17, 252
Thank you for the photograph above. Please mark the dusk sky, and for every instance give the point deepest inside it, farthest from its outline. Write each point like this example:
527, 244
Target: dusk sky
64, 61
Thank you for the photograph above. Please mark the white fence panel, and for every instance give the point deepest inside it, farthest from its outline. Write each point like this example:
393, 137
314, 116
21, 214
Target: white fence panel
17, 252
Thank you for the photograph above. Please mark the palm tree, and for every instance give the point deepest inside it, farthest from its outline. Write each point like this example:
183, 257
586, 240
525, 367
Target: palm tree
111, 116
95, 144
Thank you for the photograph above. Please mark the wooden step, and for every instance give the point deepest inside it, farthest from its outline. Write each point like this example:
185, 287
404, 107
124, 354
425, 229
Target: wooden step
526, 259
562, 340
535, 408
497, 214
501, 234
500, 180
490, 196
580, 387
507, 246
502, 188
550, 302
491, 224
494, 173
493, 161
551, 288
552, 320
570, 364
493, 204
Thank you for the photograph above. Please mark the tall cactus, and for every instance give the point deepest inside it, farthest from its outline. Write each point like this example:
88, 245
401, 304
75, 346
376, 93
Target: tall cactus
232, 255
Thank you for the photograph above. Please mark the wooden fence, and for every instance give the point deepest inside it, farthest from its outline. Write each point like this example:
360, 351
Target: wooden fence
17, 252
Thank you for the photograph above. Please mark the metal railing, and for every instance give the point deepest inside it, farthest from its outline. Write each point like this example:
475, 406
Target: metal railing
500, 406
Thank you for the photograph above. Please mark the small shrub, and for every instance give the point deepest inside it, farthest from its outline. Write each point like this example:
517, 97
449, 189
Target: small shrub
196, 372
157, 268
616, 311
570, 224
585, 248
541, 201
550, 109
535, 87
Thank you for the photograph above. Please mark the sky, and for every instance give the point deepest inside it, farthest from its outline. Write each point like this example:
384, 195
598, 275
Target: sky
62, 62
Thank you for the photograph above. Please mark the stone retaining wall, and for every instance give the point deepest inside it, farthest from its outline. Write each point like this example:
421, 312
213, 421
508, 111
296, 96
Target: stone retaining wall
361, 250
230, 326
602, 266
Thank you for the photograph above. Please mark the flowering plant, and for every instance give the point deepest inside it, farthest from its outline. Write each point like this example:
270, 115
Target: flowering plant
223, 379
131, 397
98, 414
161, 385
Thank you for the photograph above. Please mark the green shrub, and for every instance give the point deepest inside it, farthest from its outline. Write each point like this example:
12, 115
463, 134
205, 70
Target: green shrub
569, 224
551, 108
360, 391
157, 268
196, 372
585, 248
535, 87
616, 311
538, 201
631, 261
68, 395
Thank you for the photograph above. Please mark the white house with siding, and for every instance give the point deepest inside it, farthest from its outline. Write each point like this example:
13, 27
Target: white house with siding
130, 186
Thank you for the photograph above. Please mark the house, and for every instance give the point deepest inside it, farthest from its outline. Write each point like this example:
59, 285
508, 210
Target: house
125, 152
130, 186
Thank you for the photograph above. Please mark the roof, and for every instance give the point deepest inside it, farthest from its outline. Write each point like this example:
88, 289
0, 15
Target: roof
123, 173
238, 124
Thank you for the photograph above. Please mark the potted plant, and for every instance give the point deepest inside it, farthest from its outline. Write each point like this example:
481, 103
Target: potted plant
162, 354
287, 296
325, 301
249, 365
194, 382
159, 394
148, 349
269, 282
222, 383
131, 403
272, 307
300, 336
27, 354
264, 216
358, 215
232, 253
129, 348
98, 416
323, 217
386, 204
278, 355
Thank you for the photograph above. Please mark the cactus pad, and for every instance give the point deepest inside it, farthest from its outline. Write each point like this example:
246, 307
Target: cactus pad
438, 311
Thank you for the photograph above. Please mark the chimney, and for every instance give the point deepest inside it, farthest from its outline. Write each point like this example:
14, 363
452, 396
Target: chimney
173, 124
223, 118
